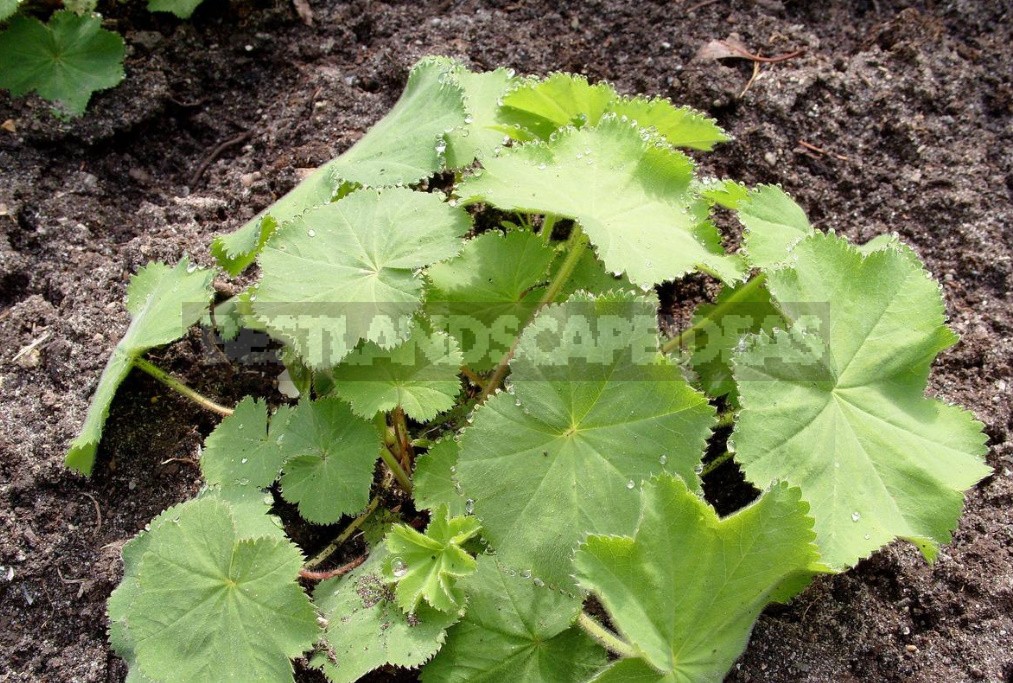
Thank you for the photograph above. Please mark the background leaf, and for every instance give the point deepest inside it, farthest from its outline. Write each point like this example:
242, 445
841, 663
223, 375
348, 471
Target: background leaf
8, 8
181, 8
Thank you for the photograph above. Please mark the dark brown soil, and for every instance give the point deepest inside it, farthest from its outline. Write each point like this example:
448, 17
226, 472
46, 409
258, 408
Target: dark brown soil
905, 112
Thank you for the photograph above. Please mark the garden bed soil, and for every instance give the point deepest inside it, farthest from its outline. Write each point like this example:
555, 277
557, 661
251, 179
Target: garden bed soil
896, 117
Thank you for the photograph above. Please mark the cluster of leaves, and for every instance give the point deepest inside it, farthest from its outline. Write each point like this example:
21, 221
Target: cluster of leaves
71, 56
553, 448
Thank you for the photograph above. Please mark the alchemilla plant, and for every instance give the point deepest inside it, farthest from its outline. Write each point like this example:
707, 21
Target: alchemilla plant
510, 452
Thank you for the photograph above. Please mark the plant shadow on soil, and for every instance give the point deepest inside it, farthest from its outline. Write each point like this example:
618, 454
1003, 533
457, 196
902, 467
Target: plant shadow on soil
904, 113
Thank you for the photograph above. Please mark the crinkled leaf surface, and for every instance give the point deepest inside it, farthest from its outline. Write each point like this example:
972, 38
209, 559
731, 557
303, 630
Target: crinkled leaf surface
849, 423
478, 137
163, 302
630, 195
419, 375
366, 629
181, 8
485, 295
427, 566
774, 223
686, 589
347, 271
434, 478
514, 630
332, 456
212, 606
241, 452
65, 61
595, 410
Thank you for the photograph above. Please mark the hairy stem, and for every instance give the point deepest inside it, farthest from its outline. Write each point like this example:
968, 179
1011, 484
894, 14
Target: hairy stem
403, 438
472, 377
605, 637
180, 388
352, 527
577, 245
716, 463
685, 337
399, 473
331, 573
548, 223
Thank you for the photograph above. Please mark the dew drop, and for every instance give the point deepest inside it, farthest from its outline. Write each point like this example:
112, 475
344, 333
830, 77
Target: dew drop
191, 267
526, 574
663, 459
579, 155
240, 427
630, 484
511, 572
868, 536
244, 461
398, 567
855, 516
468, 119
539, 583
453, 469
311, 233
469, 506
542, 167
698, 469
280, 439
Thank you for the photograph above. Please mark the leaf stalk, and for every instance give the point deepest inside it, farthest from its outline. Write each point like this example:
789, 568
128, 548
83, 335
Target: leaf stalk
352, 527
180, 388
685, 337
604, 637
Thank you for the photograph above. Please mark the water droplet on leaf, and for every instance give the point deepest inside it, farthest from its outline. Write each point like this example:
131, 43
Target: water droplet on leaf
398, 567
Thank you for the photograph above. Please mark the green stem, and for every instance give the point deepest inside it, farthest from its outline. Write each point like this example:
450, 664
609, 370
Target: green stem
725, 419
682, 339
716, 463
472, 376
577, 245
395, 467
548, 223
180, 388
605, 637
319, 558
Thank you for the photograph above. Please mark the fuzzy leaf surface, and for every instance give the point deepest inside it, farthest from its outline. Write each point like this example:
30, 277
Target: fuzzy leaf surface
687, 587
485, 295
514, 630
332, 454
64, 61
846, 419
212, 606
346, 272
594, 412
366, 628
427, 566
434, 478
163, 302
774, 224
419, 375
630, 196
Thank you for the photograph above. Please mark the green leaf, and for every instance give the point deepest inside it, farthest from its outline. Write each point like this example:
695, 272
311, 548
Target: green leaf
562, 99
514, 630
236, 251
419, 375
427, 566
240, 452
847, 421
163, 302
332, 457
774, 224
8, 8
433, 479
211, 605
595, 411
251, 510
366, 629
181, 8
628, 194
347, 271
479, 137
484, 296
680, 126
65, 61
686, 589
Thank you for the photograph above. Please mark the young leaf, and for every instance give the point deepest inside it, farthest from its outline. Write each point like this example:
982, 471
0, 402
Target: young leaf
65, 61
680, 126
163, 302
562, 99
628, 195
181, 8
774, 224
419, 375
848, 423
366, 629
591, 417
8, 8
240, 452
686, 589
479, 137
514, 630
484, 296
332, 456
427, 566
433, 480
345, 272
209, 605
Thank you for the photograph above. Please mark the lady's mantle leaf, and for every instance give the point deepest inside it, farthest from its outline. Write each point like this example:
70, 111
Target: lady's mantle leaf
629, 195
433, 479
8, 8
331, 458
484, 296
419, 375
241, 452
347, 271
427, 566
366, 629
212, 606
595, 411
848, 422
163, 302
514, 630
687, 587
774, 224
65, 61
478, 137
402, 148
181, 8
